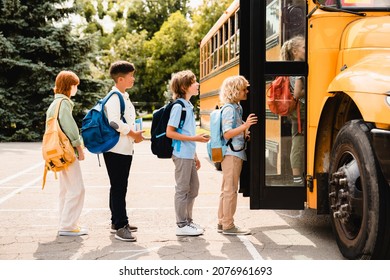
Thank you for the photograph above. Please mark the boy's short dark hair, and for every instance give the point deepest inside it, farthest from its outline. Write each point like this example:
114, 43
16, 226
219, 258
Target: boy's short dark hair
120, 68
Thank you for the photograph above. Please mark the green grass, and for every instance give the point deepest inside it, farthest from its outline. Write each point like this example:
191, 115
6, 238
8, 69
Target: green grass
147, 117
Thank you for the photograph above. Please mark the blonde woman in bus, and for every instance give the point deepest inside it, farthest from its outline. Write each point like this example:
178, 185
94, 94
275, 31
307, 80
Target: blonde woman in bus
233, 90
294, 50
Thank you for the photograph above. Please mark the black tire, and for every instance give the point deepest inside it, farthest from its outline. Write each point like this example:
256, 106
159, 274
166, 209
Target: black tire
358, 196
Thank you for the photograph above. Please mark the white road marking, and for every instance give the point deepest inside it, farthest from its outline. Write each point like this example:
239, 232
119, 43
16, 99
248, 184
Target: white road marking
251, 249
136, 252
290, 216
21, 173
10, 195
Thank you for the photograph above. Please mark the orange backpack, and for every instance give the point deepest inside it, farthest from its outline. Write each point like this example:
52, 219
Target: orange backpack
57, 150
281, 101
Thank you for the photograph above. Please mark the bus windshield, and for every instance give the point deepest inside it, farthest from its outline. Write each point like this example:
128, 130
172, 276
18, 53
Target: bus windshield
363, 4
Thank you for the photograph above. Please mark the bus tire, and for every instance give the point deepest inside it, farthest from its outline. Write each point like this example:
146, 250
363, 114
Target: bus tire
358, 196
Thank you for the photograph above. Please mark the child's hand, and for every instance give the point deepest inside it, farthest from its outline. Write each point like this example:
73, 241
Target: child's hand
81, 156
80, 153
137, 136
247, 135
202, 138
251, 120
197, 163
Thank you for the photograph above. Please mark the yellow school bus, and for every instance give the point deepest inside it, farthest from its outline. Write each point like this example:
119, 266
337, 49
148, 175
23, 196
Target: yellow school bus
219, 58
346, 110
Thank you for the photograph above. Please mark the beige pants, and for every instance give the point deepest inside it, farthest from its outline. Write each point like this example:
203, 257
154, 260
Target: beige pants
71, 197
231, 170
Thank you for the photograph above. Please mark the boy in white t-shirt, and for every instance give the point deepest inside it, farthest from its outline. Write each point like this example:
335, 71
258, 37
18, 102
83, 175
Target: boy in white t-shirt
118, 159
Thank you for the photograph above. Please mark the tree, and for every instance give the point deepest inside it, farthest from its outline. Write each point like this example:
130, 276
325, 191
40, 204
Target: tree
149, 15
204, 17
131, 47
166, 51
135, 23
36, 44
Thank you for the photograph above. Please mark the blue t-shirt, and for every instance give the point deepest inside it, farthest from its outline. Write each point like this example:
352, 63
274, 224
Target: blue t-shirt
187, 148
227, 124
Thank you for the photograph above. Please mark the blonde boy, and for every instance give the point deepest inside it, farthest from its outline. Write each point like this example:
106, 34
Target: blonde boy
233, 90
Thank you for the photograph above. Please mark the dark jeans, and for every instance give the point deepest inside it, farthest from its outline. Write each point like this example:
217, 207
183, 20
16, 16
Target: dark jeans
118, 169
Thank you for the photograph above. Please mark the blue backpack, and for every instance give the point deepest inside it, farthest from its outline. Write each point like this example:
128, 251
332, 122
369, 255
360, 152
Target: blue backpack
217, 145
98, 135
161, 145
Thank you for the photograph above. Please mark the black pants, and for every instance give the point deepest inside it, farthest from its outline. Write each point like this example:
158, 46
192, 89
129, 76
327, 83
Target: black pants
118, 169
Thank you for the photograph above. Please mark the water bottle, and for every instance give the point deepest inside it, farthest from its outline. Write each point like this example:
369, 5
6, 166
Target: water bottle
138, 124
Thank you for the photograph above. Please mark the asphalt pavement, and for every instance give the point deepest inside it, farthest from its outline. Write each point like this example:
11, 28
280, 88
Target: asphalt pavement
29, 216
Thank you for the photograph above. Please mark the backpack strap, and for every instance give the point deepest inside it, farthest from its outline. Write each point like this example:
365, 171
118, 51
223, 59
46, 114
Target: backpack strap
121, 101
57, 110
122, 105
183, 115
299, 117
229, 142
45, 168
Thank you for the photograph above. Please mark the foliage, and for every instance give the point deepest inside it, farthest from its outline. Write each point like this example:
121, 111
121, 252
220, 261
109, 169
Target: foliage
204, 18
159, 36
166, 51
35, 46
149, 15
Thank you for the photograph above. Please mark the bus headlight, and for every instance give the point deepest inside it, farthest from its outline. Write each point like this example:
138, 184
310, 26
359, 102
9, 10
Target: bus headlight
388, 100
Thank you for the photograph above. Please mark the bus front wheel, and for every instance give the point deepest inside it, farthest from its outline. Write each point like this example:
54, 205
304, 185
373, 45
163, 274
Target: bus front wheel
358, 198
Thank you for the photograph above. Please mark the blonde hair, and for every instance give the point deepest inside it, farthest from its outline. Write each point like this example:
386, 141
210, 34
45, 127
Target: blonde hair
64, 81
231, 87
180, 82
286, 52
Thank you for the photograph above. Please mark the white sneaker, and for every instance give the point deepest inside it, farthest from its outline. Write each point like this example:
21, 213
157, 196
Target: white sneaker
188, 230
197, 226
76, 232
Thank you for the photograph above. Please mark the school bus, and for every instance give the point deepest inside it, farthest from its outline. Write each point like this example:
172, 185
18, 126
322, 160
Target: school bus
346, 135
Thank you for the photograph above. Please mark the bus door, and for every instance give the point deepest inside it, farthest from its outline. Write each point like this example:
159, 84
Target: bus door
274, 175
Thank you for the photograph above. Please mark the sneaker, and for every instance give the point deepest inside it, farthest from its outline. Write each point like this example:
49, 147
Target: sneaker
298, 180
132, 228
219, 228
197, 226
124, 234
236, 231
76, 232
188, 230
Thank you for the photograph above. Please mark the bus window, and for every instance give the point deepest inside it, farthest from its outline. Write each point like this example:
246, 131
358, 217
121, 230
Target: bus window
226, 42
285, 151
284, 20
219, 58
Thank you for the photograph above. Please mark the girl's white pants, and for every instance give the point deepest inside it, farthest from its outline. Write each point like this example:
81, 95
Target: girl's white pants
71, 197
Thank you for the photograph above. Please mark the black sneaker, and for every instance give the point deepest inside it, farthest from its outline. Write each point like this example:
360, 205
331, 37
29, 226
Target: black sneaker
132, 228
124, 234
